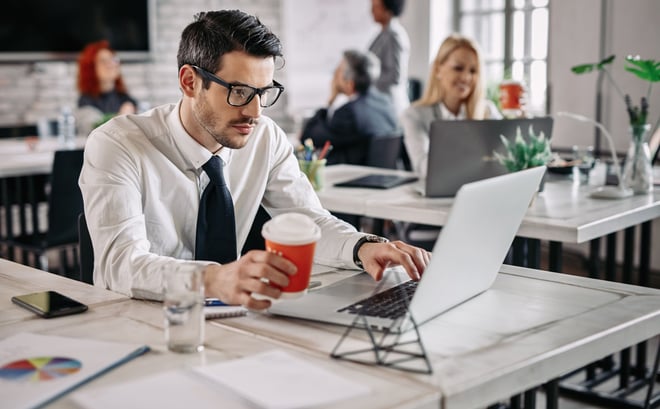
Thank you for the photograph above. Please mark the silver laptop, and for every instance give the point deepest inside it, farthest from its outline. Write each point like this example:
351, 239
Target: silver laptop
462, 151
466, 258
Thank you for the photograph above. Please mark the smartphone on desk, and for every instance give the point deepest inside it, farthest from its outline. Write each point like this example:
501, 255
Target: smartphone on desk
49, 304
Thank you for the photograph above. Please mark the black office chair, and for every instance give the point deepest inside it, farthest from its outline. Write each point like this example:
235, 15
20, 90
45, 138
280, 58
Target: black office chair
384, 152
414, 89
254, 239
18, 131
64, 205
85, 252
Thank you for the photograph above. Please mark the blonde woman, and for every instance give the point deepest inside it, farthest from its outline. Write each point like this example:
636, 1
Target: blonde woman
454, 90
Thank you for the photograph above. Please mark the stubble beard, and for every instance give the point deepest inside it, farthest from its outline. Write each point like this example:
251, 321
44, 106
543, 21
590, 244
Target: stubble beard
207, 121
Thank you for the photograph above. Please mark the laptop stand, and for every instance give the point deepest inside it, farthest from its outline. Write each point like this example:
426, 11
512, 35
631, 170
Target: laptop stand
387, 348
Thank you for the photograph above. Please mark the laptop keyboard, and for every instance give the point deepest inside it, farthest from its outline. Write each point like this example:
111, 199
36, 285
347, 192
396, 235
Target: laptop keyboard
392, 303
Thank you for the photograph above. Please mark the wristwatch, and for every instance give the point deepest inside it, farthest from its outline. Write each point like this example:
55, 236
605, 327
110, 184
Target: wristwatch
369, 238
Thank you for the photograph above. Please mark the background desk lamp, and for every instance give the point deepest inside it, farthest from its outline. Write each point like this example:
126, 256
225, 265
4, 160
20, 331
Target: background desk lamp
605, 192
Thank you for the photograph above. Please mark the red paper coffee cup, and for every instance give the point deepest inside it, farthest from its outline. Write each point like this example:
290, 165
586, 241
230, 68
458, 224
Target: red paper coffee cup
511, 93
294, 237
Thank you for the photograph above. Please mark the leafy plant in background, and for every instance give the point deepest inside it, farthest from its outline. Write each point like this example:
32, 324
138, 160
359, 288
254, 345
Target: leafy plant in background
647, 70
524, 153
105, 118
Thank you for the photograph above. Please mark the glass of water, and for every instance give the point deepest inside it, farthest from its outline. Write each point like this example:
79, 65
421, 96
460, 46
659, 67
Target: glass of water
183, 306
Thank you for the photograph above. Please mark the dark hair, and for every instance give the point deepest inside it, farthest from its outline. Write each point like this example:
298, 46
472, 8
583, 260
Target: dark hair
215, 33
361, 68
394, 6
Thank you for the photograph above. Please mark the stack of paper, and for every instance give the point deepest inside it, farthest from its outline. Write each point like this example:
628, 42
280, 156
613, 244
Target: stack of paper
273, 380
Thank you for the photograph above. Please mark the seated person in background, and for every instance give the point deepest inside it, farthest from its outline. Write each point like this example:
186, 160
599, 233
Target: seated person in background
367, 114
144, 177
102, 90
454, 90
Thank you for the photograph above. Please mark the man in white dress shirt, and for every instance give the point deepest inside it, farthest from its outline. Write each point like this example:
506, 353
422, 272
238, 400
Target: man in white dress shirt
142, 178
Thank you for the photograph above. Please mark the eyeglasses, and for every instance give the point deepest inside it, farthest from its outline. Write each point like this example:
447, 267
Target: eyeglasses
241, 95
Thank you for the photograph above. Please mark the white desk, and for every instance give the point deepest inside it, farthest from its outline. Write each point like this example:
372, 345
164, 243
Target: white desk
116, 318
531, 327
562, 212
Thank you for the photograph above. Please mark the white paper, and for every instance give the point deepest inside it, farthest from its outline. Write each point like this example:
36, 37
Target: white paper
278, 380
83, 359
169, 390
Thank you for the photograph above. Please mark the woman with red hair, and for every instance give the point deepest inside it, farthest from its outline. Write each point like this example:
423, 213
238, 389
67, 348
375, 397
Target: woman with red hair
100, 83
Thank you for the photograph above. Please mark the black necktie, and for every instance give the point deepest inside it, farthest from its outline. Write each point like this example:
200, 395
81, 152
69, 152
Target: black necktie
216, 226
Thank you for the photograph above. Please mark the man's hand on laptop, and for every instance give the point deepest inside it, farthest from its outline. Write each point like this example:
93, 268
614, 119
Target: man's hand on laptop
376, 257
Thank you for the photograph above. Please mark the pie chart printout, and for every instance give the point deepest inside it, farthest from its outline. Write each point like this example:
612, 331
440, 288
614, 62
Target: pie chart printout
39, 369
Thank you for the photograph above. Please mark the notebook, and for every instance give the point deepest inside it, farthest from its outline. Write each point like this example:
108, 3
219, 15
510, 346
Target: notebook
377, 181
465, 261
224, 311
462, 151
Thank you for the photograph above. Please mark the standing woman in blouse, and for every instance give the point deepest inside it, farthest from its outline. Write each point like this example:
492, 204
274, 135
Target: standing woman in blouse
454, 90
392, 47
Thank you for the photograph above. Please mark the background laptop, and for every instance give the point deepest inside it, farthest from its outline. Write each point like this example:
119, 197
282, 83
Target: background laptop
466, 258
462, 151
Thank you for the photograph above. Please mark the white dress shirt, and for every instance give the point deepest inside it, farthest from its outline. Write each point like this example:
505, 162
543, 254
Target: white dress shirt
416, 122
142, 181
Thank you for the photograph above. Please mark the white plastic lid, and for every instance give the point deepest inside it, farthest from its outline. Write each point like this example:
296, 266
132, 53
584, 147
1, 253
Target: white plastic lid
291, 228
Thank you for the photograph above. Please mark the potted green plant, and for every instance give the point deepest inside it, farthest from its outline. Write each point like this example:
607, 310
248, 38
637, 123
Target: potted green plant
637, 173
523, 153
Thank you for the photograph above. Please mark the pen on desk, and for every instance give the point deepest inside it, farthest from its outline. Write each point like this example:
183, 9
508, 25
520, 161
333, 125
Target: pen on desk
325, 150
213, 302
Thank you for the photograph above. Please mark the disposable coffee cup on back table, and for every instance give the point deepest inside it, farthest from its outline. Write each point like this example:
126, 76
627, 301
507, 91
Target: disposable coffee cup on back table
294, 237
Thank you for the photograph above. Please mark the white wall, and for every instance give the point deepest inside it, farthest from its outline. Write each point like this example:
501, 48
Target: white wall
631, 28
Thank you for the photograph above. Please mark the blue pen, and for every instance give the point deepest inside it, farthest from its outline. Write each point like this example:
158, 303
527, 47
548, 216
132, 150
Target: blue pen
213, 302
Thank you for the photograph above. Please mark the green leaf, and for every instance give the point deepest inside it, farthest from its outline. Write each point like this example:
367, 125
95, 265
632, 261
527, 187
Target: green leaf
605, 61
583, 68
648, 70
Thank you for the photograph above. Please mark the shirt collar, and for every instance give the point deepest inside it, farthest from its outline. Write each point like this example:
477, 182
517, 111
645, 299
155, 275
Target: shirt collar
193, 153
447, 114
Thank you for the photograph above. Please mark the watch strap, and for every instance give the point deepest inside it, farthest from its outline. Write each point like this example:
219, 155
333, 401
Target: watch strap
369, 238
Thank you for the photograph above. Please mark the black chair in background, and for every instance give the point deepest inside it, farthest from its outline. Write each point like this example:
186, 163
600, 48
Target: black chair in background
64, 206
414, 89
85, 252
18, 131
384, 153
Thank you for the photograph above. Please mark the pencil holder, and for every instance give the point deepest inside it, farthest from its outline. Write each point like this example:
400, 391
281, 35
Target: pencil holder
315, 171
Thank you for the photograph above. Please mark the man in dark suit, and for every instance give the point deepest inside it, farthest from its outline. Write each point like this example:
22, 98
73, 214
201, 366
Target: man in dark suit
367, 114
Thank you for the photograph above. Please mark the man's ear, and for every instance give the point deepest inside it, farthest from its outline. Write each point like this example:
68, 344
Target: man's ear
187, 77
351, 87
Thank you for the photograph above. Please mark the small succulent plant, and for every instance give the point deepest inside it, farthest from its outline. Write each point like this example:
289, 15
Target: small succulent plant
524, 153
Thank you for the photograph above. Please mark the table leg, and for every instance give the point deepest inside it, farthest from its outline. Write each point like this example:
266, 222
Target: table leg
552, 394
594, 258
555, 256
533, 253
628, 255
